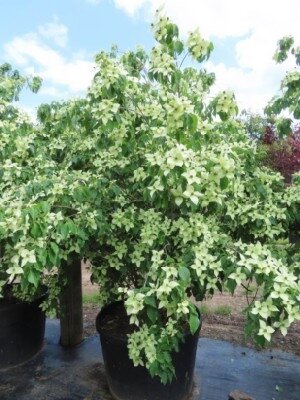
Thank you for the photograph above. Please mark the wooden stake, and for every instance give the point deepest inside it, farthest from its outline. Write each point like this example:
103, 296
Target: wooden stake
71, 319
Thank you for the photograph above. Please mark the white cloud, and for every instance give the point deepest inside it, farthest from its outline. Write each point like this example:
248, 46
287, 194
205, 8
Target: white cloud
56, 31
222, 18
131, 6
34, 54
256, 25
31, 53
252, 88
54, 92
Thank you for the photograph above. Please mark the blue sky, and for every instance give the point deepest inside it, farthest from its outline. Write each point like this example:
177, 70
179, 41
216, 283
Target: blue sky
58, 39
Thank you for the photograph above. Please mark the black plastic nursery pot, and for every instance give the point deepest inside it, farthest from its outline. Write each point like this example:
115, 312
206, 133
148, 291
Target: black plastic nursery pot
127, 382
22, 329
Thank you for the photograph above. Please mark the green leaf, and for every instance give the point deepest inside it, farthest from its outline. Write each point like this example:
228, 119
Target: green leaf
178, 46
164, 377
261, 189
184, 274
54, 247
260, 340
35, 230
64, 230
34, 277
116, 190
45, 207
33, 212
150, 300
72, 227
224, 182
42, 256
194, 323
152, 314
231, 284
249, 328
153, 368
192, 122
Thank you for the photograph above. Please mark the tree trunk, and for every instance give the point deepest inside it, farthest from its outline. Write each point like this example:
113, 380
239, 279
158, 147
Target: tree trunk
71, 319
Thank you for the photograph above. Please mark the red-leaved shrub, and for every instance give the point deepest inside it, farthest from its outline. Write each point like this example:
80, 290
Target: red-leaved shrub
283, 155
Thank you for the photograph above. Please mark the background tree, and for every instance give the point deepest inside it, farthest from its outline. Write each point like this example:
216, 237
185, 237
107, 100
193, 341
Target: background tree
289, 97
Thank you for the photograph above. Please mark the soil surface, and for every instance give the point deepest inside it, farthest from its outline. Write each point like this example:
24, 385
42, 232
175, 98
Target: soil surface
116, 322
214, 325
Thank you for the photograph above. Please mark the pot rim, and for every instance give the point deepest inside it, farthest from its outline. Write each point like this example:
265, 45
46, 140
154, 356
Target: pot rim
105, 311
21, 303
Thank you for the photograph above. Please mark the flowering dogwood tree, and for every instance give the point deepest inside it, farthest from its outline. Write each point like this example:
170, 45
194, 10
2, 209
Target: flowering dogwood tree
191, 212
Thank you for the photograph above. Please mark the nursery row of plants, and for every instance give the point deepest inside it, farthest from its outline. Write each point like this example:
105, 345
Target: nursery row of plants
162, 187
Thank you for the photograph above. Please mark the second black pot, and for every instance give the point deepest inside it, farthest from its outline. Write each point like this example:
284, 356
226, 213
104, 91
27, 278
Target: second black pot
127, 382
22, 329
